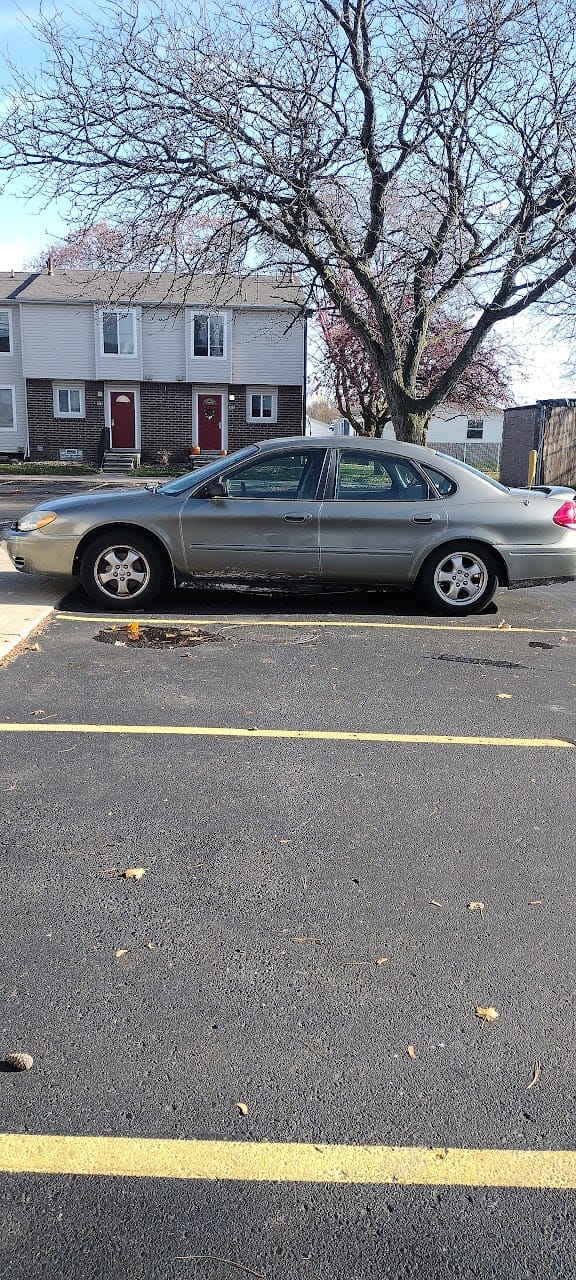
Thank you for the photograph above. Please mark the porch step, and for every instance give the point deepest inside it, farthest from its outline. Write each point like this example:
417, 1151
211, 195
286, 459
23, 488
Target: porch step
206, 455
120, 460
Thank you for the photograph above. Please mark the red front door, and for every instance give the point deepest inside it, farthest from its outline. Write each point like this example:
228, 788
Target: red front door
123, 419
210, 422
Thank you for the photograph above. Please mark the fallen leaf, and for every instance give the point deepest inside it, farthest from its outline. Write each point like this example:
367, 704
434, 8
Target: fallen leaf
487, 1015
382, 960
122, 951
119, 644
477, 906
149, 945
134, 873
243, 1108
33, 647
411, 1051
504, 626
133, 630
535, 902
285, 842
503, 695
38, 713
536, 1073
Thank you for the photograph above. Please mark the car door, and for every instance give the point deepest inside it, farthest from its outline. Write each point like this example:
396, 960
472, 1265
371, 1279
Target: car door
382, 516
266, 524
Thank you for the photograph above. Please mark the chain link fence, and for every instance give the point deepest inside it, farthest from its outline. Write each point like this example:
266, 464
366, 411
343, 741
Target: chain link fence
478, 453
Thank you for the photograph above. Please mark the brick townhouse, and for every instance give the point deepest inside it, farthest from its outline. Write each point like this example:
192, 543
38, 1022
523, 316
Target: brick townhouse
96, 363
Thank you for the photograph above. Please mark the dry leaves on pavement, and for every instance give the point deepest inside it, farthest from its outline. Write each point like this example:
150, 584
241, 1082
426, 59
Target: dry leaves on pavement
488, 1014
134, 873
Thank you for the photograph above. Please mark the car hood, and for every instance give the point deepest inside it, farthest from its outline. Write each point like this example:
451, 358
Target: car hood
94, 498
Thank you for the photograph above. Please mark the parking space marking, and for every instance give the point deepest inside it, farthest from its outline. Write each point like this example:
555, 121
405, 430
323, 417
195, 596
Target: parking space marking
285, 1162
302, 735
112, 619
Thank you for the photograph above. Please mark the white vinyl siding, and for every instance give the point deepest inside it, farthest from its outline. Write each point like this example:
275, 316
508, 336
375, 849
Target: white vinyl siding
68, 401
58, 341
267, 345
163, 345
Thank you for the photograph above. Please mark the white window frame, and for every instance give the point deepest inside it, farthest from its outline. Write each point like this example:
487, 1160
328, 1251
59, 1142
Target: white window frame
8, 311
57, 387
261, 391
218, 315
119, 311
12, 390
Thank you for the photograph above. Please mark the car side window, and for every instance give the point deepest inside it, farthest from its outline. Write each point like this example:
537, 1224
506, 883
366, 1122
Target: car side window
282, 475
378, 477
442, 483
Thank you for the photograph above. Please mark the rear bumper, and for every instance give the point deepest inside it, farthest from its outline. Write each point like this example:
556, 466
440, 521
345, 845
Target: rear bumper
530, 567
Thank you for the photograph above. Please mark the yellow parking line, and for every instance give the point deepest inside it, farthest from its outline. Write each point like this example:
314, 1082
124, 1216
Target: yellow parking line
285, 1162
112, 620
302, 735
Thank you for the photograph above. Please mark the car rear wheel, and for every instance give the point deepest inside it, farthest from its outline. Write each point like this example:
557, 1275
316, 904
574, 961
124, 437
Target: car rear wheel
459, 579
122, 573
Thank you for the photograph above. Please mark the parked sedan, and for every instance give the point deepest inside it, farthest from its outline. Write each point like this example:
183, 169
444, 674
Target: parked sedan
345, 511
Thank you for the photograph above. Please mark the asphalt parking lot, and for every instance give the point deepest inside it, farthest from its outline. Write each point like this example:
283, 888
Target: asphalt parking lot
356, 826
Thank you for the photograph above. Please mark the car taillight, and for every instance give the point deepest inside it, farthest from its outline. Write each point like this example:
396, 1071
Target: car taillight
566, 515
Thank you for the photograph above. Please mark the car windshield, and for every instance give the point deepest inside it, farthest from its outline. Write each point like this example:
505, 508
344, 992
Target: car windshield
203, 473
474, 471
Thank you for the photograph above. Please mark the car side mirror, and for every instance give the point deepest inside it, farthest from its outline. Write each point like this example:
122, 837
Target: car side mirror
216, 489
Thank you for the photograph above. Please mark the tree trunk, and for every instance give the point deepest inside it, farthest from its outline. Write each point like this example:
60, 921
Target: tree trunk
411, 427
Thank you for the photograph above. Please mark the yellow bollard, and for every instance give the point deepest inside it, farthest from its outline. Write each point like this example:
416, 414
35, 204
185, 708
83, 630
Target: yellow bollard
532, 464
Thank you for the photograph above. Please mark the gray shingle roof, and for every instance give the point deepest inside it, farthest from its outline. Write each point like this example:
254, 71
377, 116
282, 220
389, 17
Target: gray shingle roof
149, 287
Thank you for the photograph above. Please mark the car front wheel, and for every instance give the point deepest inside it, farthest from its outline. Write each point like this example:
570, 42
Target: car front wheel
459, 579
121, 573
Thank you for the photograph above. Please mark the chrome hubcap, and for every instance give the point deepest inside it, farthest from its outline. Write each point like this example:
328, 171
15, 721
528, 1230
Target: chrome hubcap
461, 578
122, 571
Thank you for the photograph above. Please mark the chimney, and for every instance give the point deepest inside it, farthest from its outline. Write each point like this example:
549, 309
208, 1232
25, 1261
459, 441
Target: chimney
50, 265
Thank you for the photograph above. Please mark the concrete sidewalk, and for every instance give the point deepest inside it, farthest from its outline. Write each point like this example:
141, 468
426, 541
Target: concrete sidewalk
25, 602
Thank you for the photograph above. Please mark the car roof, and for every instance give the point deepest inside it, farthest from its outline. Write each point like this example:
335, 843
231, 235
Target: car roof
352, 442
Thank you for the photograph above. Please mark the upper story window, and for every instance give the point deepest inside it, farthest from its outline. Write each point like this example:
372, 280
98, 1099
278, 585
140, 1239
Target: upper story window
5, 331
475, 429
261, 406
68, 402
208, 333
118, 333
7, 410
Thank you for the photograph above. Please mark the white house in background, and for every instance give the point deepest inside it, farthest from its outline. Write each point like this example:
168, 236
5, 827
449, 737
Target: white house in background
451, 426
447, 426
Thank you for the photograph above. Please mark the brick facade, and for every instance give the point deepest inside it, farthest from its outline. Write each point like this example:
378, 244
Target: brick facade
48, 435
166, 417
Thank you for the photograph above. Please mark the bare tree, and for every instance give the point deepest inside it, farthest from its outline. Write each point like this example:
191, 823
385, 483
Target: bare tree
425, 152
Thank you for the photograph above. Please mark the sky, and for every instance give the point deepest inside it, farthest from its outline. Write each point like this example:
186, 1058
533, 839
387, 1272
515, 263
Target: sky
27, 228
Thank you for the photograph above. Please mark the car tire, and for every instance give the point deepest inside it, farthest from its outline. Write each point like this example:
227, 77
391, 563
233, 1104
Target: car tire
122, 572
459, 578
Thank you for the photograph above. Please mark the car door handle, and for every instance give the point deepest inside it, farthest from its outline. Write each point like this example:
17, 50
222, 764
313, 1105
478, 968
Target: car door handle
296, 519
425, 519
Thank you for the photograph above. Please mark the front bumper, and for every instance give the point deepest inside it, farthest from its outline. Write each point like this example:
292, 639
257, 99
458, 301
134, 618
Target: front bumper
39, 552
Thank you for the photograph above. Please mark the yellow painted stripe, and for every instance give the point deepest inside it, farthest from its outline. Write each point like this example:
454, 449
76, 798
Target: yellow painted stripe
301, 735
285, 1162
112, 620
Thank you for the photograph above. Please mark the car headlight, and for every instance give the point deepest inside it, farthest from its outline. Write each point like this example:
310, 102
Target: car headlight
35, 520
